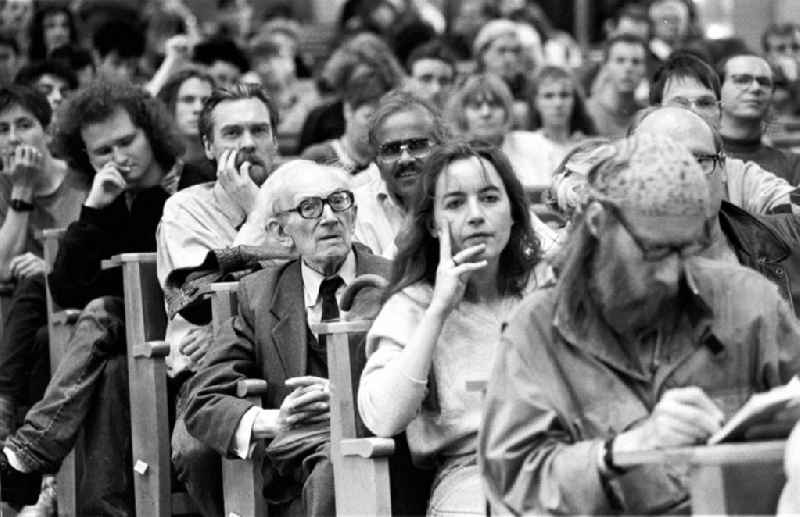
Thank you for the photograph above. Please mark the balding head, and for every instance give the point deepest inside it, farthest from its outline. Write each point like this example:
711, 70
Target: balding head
693, 132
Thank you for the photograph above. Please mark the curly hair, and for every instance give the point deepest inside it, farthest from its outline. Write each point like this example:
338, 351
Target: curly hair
418, 251
168, 94
96, 103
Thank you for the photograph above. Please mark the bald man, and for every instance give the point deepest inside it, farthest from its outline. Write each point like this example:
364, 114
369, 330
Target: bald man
763, 243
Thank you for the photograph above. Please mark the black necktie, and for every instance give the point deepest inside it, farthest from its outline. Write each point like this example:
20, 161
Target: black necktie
330, 309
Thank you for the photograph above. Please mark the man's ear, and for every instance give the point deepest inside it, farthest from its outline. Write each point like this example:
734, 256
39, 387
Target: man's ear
208, 150
595, 217
276, 231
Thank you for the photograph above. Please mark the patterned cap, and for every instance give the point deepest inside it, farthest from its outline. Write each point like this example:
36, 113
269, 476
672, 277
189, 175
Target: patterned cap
653, 175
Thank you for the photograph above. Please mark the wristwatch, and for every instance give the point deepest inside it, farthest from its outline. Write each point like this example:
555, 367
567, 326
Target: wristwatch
18, 205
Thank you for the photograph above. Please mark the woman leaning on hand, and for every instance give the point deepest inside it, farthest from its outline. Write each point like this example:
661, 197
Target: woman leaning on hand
465, 260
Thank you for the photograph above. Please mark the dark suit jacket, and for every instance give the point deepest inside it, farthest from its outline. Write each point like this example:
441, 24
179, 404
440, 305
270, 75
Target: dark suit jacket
268, 339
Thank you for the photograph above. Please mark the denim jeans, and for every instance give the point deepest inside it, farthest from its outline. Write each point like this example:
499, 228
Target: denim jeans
24, 352
88, 392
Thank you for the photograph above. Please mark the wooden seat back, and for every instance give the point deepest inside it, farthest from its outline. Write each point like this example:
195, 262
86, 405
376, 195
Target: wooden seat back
242, 482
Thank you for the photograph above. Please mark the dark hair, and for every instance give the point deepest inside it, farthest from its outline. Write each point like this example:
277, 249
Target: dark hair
96, 103
573, 267
168, 94
683, 65
776, 29
264, 49
630, 39
399, 101
722, 66
434, 49
365, 89
579, 119
221, 49
205, 122
28, 99
37, 50
73, 56
418, 251
362, 49
8, 41
31, 73
636, 12
120, 36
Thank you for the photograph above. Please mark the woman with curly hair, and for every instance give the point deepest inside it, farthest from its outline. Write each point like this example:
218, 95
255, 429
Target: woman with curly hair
466, 258
52, 27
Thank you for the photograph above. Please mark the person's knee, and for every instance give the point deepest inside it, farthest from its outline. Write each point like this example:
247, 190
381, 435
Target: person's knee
190, 455
108, 314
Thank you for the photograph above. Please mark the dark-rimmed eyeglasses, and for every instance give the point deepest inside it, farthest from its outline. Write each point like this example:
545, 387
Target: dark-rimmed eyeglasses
312, 207
710, 162
656, 252
415, 147
745, 80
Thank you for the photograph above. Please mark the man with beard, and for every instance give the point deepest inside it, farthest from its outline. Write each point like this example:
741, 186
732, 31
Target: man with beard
237, 128
642, 344
402, 132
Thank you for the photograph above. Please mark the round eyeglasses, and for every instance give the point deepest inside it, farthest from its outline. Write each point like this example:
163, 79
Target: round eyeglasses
312, 207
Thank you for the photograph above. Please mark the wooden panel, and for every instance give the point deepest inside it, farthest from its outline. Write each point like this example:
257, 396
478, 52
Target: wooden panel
145, 321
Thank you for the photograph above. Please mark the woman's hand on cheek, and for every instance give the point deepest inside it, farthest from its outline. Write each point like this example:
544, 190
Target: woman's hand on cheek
454, 271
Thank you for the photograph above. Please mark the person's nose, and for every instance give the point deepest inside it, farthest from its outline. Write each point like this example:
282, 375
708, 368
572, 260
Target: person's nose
118, 155
485, 110
13, 136
247, 142
328, 216
475, 215
56, 97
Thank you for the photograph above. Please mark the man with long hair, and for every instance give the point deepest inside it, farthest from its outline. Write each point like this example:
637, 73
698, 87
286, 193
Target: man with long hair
642, 344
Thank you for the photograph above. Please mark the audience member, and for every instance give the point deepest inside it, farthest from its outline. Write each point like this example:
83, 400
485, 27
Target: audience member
613, 102
363, 53
277, 72
184, 93
310, 209
765, 243
432, 70
464, 263
224, 59
634, 311
402, 132
51, 78
352, 151
124, 141
10, 59
37, 192
559, 120
237, 128
53, 26
672, 26
498, 50
685, 81
79, 61
747, 93
117, 48
782, 51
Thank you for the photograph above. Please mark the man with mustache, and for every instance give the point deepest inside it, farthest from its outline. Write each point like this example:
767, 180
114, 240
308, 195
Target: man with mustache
747, 92
402, 132
237, 128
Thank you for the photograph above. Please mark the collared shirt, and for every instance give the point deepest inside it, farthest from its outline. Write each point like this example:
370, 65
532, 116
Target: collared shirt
195, 221
561, 386
312, 280
379, 218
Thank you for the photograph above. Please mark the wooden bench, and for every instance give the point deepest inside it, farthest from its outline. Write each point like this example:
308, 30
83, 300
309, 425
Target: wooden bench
60, 323
242, 482
735, 478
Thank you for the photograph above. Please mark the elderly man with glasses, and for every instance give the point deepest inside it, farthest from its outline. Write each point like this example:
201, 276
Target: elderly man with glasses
766, 243
641, 345
309, 210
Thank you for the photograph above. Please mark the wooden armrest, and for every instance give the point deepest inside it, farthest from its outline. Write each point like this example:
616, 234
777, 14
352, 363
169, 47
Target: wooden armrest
341, 327
367, 447
251, 387
110, 263
223, 287
65, 317
151, 349
118, 260
721, 454
50, 233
